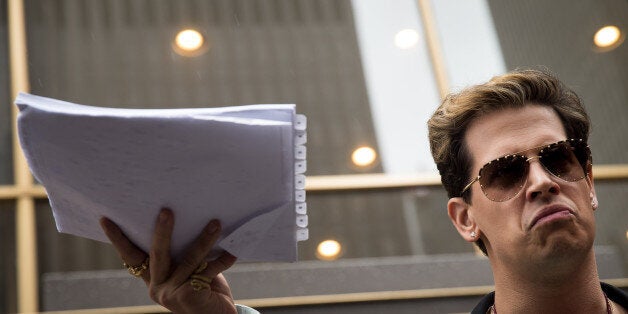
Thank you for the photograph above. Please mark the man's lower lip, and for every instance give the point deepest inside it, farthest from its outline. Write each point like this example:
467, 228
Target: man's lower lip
554, 216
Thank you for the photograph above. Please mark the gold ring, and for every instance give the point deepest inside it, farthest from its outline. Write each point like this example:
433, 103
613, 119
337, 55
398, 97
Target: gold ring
201, 267
200, 282
137, 270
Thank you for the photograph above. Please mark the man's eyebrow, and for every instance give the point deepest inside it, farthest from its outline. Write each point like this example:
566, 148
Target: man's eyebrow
527, 150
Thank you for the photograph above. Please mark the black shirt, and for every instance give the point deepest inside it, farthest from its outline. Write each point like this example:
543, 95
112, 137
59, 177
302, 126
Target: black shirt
615, 294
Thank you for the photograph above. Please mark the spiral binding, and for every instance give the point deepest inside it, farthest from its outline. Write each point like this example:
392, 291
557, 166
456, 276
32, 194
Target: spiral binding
300, 166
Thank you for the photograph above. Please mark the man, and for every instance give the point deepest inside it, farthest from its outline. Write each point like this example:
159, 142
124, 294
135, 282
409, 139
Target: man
513, 158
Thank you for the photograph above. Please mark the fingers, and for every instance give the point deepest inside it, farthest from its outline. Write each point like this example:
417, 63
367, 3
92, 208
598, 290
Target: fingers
224, 262
220, 285
197, 253
160, 248
129, 252
215, 269
160, 270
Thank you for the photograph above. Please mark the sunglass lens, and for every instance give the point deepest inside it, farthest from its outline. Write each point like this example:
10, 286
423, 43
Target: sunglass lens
503, 178
565, 160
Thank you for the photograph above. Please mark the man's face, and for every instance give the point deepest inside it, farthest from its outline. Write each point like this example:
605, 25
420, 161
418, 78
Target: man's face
550, 217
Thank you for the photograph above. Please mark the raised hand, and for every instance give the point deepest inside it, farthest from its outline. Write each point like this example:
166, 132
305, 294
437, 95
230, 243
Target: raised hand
193, 285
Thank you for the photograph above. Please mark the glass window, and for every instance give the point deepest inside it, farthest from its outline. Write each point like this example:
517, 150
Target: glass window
381, 223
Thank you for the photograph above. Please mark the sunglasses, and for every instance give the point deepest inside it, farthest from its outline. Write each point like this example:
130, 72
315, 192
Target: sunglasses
504, 177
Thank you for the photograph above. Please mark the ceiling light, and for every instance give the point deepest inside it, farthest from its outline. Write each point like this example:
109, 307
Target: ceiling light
363, 156
406, 38
189, 42
328, 250
608, 37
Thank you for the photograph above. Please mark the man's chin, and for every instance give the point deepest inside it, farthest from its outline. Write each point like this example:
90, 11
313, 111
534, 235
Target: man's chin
563, 245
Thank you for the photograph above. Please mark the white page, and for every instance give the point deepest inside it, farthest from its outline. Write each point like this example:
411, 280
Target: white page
235, 164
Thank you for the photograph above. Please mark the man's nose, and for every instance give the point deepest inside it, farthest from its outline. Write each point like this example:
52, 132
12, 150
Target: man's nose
540, 181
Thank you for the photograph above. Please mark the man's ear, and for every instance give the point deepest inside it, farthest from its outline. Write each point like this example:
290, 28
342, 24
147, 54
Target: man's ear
458, 211
592, 195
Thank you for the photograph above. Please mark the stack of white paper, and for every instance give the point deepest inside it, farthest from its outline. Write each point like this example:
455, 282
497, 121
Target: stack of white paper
242, 165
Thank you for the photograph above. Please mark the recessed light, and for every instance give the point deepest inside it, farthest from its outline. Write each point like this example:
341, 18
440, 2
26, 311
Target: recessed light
363, 156
608, 37
328, 250
189, 42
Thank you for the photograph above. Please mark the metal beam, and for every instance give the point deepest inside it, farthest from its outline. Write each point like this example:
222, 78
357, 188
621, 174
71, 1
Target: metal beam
434, 47
26, 237
350, 182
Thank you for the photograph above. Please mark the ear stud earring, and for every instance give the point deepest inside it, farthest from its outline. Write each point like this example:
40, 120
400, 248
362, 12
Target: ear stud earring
473, 234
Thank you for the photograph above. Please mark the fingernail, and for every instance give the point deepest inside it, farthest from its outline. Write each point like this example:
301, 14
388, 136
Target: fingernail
213, 226
104, 222
109, 227
163, 216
